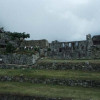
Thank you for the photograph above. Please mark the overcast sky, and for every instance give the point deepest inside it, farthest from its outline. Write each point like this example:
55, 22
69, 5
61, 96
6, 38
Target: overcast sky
63, 20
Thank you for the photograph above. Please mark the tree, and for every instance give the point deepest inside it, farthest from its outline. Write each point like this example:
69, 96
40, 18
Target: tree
25, 35
10, 48
19, 35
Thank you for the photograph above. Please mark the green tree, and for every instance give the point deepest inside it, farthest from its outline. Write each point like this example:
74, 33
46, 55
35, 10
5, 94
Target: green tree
10, 48
25, 35
19, 35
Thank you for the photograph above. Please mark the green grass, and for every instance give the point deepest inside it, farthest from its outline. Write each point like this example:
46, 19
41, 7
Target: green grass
49, 90
61, 74
70, 61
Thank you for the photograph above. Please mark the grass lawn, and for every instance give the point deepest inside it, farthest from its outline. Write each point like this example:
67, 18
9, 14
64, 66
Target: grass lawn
49, 90
68, 74
71, 61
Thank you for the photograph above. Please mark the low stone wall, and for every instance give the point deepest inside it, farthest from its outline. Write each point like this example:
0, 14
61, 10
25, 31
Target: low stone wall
55, 66
65, 66
54, 81
20, 59
22, 97
15, 66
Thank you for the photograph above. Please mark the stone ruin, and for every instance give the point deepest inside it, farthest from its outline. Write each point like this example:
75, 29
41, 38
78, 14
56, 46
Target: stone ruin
86, 49
71, 50
76, 49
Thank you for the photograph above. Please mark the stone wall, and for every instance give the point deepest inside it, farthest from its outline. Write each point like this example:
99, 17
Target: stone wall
15, 66
54, 81
68, 50
27, 97
20, 59
86, 66
95, 52
35, 43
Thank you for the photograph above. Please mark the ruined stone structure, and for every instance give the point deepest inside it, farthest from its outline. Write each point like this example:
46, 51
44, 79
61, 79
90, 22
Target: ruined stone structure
86, 49
76, 49
96, 40
14, 58
42, 45
35, 43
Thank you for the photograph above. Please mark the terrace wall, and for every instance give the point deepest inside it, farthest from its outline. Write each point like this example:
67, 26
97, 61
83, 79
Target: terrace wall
20, 59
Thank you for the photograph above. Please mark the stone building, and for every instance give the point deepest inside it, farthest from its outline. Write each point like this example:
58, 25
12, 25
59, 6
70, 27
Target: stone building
42, 46
74, 49
35, 43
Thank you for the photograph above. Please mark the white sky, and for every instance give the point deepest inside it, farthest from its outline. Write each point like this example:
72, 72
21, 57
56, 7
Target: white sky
63, 20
